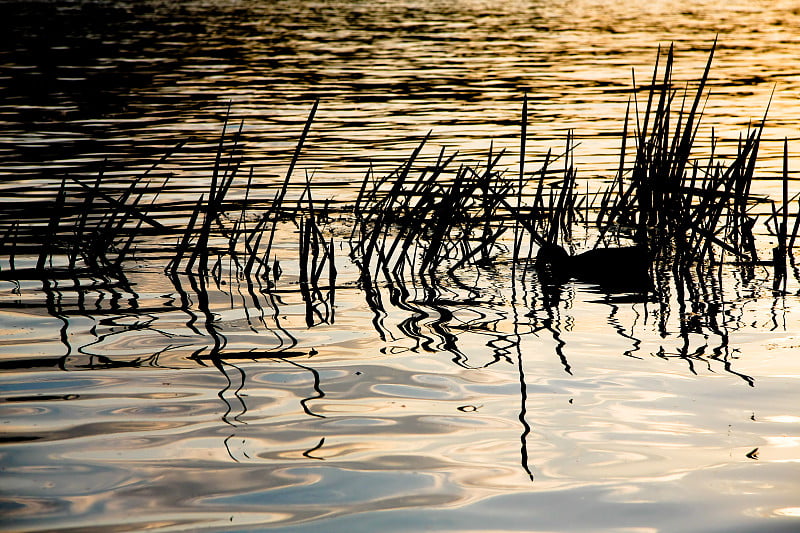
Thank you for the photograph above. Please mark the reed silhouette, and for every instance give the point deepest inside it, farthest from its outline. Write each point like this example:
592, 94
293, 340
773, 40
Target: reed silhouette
663, 227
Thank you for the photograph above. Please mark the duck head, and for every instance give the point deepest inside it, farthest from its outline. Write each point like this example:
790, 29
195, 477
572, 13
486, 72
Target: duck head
553, 262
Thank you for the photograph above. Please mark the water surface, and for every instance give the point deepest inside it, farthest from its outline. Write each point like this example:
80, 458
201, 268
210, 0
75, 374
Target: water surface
487, 408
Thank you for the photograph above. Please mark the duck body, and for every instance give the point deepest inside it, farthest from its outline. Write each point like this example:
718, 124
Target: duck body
624, 268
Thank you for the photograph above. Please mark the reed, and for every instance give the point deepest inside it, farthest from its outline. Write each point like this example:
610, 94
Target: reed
681, 210
429, 219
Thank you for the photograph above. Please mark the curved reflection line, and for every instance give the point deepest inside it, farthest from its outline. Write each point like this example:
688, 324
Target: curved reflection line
560, 343
523, 412
308, 452
400, 297
317, 389
615, 324
551, 297
185, 302
245, 306
272, 300
228, 447
523, 387
53, 310
256, 302
447, 339
779, 297
372, 295
198, 284
238, 391
729, 368
218, 364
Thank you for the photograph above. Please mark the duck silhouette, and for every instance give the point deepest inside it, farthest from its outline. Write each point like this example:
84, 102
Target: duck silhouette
624, 268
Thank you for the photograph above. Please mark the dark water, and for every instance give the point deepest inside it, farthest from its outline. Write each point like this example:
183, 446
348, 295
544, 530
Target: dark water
484, 410
126, 80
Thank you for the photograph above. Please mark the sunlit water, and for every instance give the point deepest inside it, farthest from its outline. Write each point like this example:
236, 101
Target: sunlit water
485, 410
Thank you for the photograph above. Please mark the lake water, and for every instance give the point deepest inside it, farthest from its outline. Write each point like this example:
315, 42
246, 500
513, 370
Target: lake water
185, 403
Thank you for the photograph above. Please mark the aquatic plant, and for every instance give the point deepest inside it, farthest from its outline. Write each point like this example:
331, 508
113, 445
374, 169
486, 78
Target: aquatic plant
665, 220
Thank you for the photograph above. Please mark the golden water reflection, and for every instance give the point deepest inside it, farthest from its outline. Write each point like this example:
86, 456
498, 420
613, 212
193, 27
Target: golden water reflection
491, 423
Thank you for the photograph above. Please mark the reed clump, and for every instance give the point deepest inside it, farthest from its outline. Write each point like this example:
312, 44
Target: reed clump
425, 221
678, 213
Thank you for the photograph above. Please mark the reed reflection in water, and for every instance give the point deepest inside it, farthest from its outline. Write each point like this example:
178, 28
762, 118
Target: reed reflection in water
590, 397
226, 361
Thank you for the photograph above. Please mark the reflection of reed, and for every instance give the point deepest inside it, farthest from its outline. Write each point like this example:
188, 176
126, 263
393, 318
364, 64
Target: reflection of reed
222, 360
697, 297
115, 318
551, 300
613, 302
523, 387
198, 285
319, 445
523, 412
317, 389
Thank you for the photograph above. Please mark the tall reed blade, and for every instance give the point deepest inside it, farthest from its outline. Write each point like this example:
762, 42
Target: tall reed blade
51, 234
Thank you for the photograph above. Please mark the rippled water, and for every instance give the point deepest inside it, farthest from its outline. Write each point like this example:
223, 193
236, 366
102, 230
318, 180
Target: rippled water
128, 80
482, 410
589, 420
